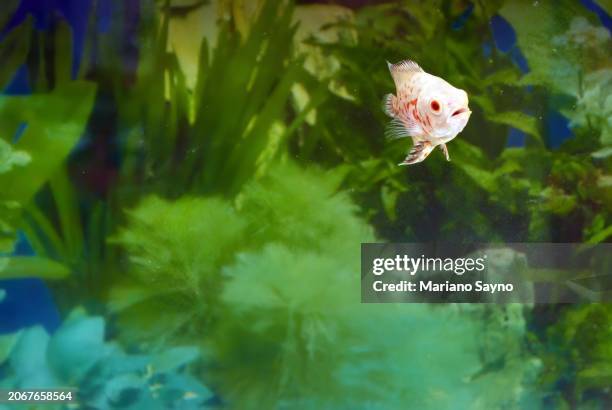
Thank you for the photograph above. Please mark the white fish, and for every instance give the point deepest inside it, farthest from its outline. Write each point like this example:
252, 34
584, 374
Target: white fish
426, 108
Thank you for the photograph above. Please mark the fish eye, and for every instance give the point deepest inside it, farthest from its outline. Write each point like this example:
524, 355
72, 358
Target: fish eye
435, 105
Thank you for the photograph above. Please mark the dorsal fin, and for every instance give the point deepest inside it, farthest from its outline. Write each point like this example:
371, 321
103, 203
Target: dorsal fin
403, 70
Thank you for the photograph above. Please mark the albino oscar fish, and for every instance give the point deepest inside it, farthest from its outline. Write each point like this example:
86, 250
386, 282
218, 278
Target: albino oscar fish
426, 108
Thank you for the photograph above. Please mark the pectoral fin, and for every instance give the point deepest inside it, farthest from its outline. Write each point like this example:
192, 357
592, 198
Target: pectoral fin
445, 151
418, 153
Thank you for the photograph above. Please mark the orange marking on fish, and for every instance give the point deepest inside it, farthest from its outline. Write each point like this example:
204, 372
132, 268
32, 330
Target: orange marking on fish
445, 111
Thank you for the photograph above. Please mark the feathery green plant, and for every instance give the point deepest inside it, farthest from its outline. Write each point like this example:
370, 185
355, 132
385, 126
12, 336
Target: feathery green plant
177, 249
284, 326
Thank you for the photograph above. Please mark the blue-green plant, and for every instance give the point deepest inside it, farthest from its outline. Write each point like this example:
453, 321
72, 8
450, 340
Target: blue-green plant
102, 375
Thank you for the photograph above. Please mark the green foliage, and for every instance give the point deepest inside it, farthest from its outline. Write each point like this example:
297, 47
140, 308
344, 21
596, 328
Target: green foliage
302, 209
593, 108
486, 193
300, 337
284, 326
558, 41
435, 199
9, 158
213, 138
105, 376
567, 54
188, 238
52, 123
577, 352
177, 249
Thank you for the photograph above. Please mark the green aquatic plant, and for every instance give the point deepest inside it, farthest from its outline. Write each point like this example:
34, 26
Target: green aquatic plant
303, 209
284, 326
214, 137
456, 55
46, 126
577, 353
593, 109
436, 199
559, 41
177, 249
299, 337
566, 53
9, 158
101, 374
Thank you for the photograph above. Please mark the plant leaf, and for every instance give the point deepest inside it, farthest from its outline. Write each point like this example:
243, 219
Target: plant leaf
33, 266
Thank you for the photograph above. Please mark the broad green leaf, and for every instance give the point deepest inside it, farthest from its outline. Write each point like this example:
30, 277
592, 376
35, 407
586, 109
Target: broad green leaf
482, 177
54, 123
32, 266
505, 76
518, 120
600, 236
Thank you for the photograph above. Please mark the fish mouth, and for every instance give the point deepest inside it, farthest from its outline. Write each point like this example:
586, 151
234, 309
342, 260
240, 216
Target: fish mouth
460, 111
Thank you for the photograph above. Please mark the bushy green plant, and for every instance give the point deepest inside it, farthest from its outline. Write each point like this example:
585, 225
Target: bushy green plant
303, 209
299, 337
104, 376
177, 249
577, 352
286, 328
